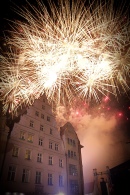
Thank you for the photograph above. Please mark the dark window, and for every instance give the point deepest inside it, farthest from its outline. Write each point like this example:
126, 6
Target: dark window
42, 116
40, 141
50, 179
48, 118
38, 177
60, 180
37, 113
74, 188
25, 176
73, 169
11, 173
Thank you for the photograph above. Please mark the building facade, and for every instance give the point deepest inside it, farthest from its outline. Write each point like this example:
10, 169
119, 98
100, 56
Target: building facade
38, 158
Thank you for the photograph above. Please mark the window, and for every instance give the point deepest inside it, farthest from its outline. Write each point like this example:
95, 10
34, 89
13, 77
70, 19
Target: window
50, 179
40, 141
15, 151
11, 173
50, 131
22, 135
43, 107
38, 177
74, 186
39, 157
37, 113
42, 116
41, 127
60, 163
25, 176
31, 123
30, 138
60, 180
69, 153
73, 142
74, 154
50, 145
73, 169
56, 147
28, 154
48, 118
50, 160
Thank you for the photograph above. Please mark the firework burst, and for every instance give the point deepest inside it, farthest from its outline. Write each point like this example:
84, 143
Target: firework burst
65, 50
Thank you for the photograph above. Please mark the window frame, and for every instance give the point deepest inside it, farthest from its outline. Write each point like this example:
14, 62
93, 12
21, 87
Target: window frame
11, 173
39, 157
50, 160
28, 154
15, 152
38, 177
25, 175
50, 179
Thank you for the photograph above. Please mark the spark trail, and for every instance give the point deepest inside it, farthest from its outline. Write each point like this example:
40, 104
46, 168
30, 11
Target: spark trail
65, 50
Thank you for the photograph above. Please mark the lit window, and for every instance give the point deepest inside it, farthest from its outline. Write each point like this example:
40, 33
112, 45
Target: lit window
48, 118
60, 163
41, 127
40, 141
42, 116
50, 160
73, 169
39, 157
60, 180
37, 113
28, 154
31, 123
30, 138
25, 176
50, 145
50, 179
11, 173
56, 147
22, 135
15, 151
38, 177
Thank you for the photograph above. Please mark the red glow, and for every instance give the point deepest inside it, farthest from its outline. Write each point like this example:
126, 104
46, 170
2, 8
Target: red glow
106, 99
120, 114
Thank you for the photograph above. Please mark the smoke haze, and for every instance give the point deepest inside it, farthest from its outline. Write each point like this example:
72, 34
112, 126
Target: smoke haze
104, 143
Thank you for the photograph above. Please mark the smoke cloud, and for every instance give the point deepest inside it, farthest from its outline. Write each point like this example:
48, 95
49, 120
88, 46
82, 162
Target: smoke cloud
104, 143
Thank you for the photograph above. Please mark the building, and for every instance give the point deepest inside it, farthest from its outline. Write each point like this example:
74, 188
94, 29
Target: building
73, 160
120, 176
39, 158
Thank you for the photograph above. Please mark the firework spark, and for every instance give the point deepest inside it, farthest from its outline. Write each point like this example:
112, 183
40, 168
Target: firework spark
63, 50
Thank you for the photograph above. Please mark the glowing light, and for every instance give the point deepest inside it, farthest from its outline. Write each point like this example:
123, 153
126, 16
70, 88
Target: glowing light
120, 114
69, 51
